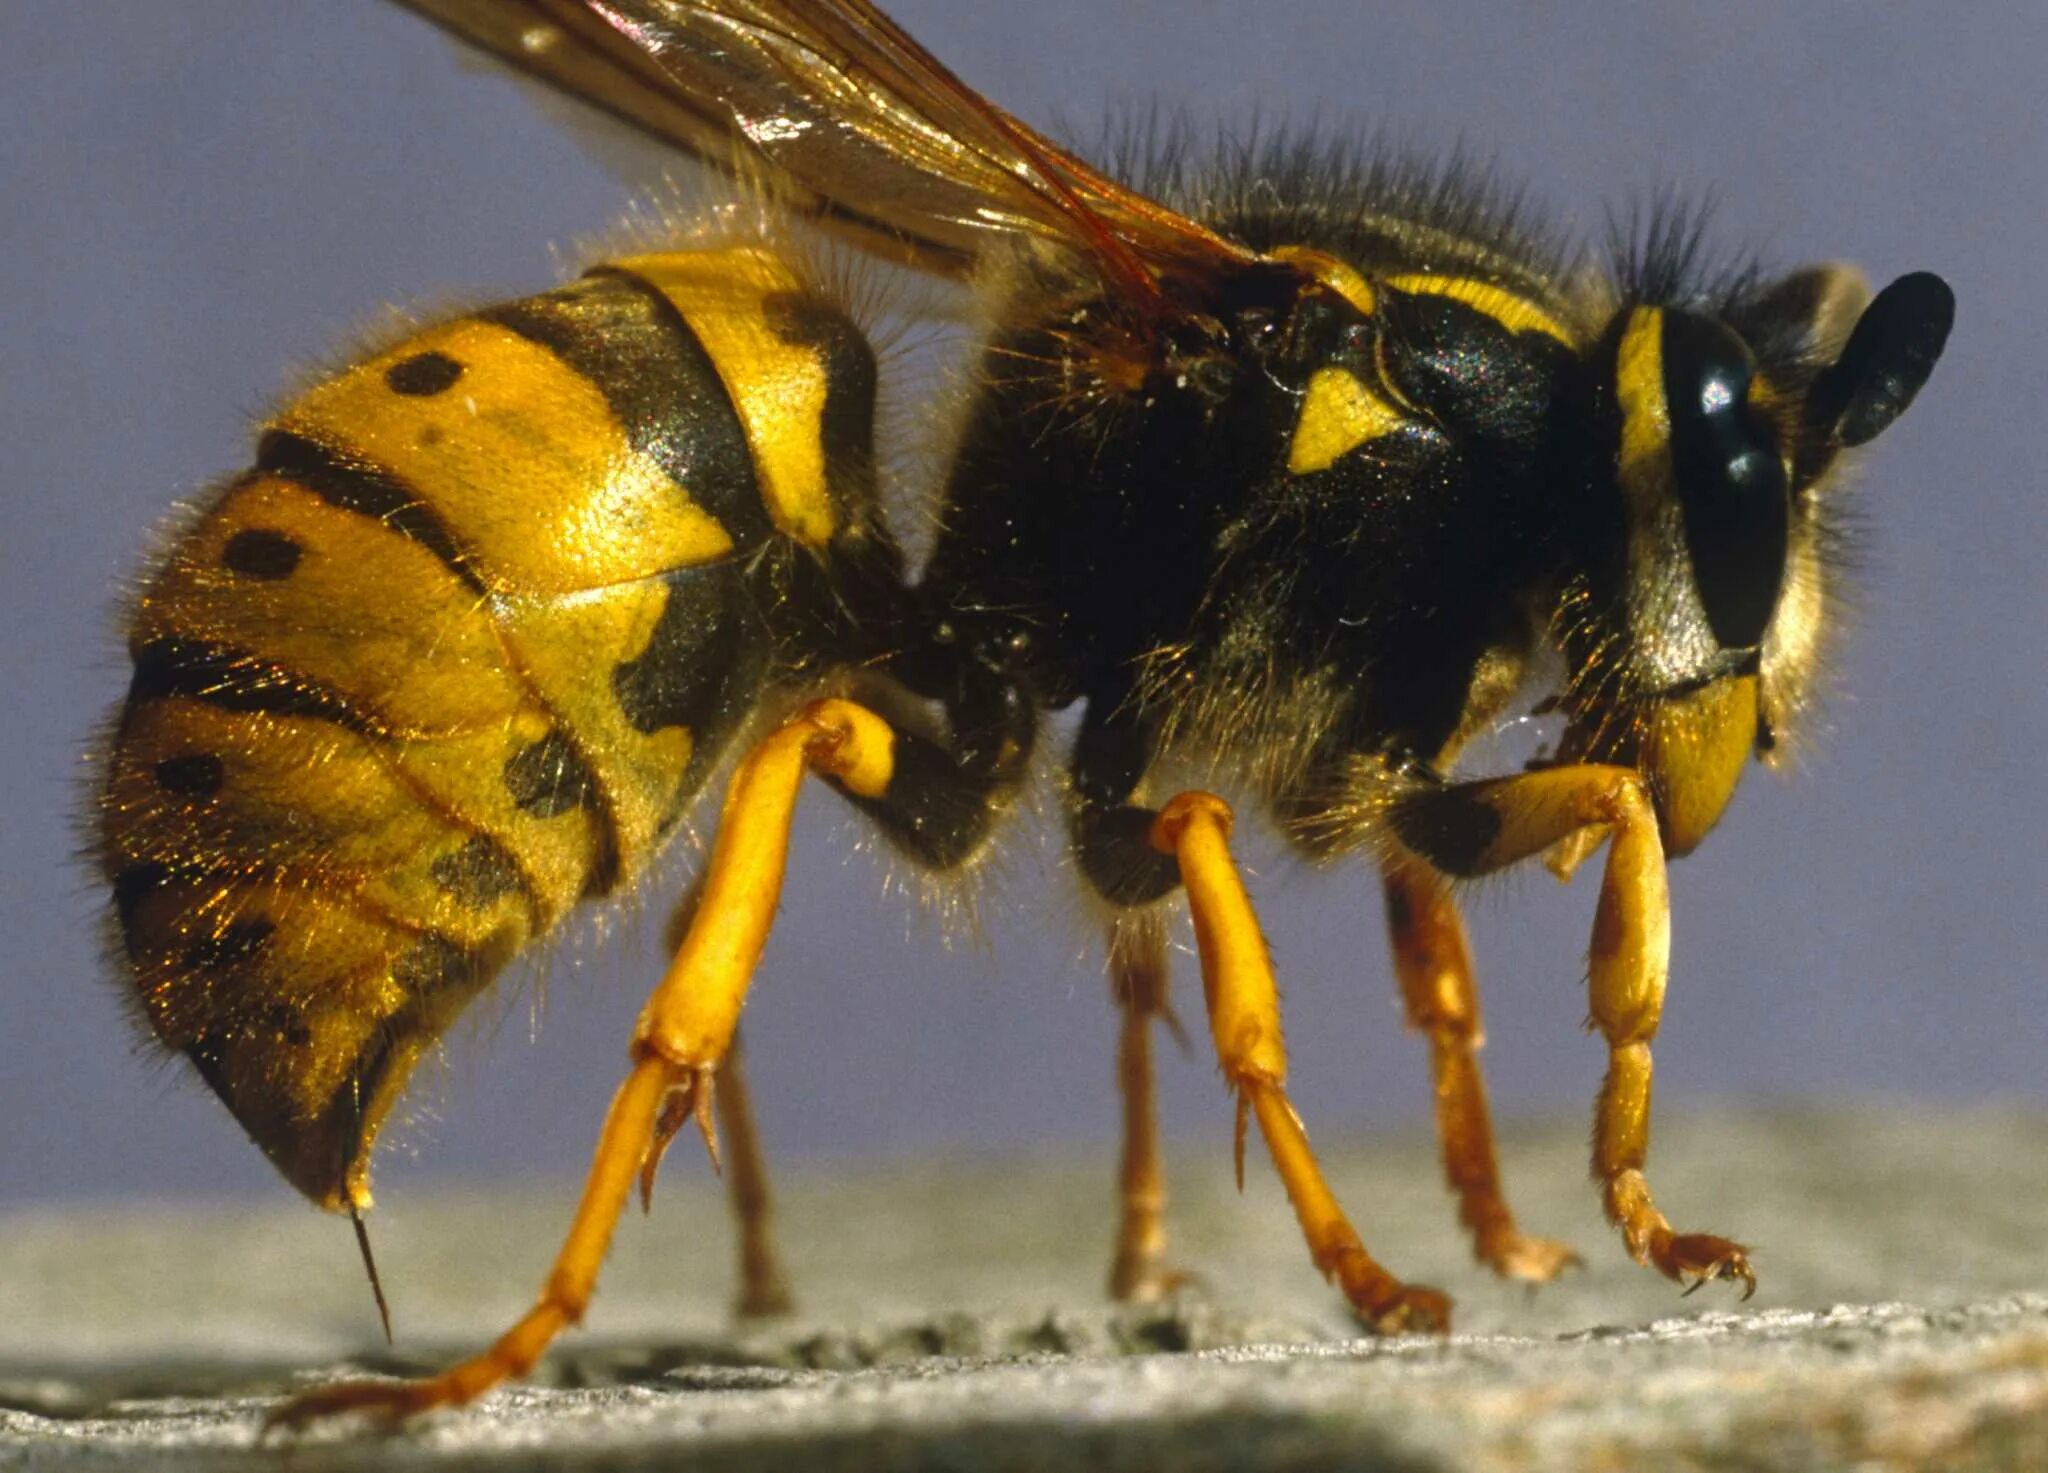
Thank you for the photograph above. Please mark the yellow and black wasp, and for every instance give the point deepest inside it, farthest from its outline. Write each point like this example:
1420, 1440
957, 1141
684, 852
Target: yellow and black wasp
1289, 475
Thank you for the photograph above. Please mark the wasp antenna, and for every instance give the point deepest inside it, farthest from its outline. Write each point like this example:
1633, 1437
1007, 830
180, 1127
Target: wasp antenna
370, 1267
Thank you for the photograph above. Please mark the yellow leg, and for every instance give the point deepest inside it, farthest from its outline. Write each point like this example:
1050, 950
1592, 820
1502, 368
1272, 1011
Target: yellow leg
1138, 981
1434, 964
1244, 1016
683, 1035
1568, 811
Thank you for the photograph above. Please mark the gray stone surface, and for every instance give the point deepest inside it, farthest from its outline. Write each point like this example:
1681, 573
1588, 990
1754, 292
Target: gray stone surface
952, 1320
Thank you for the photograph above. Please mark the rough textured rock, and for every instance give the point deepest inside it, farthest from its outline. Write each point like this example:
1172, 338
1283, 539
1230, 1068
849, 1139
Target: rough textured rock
952, 1321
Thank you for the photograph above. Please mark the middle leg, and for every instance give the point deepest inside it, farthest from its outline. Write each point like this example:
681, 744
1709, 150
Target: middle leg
1244, 1015
1434, 964
1133, 855
1138, 983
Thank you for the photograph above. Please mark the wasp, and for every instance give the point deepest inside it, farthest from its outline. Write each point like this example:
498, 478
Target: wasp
1288, 476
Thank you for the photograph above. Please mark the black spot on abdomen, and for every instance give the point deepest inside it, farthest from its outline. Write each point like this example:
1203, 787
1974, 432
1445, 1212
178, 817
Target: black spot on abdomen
232, 946
259, 552
435, 963
198, 775
423, 375
480, 872
288, 1023
549, 778
133, 884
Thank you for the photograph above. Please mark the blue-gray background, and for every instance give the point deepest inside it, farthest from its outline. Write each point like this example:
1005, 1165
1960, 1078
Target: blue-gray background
201, 199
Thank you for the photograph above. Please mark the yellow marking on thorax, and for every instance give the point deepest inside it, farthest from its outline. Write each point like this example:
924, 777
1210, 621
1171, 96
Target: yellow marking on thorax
778, 387
521, 459
1516, 314
1644, 460
1338, 414
1343, 279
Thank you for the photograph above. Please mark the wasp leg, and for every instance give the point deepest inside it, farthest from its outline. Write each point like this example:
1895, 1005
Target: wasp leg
764, 1287
1113, 845
1434, 963
1475, 828
1111, 835
1138, 981
683, 1035
1244, 1015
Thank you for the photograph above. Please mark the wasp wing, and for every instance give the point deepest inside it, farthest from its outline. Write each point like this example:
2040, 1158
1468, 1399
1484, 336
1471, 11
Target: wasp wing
863, 129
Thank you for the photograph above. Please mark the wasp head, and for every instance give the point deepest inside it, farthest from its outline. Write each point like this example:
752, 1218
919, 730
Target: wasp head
1694, 640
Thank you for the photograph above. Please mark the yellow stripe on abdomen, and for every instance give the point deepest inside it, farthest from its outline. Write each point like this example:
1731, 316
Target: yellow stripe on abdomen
519, 457
779, 384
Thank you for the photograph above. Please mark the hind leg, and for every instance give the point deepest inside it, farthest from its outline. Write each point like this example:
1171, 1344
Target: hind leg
684, 1035
764, 1287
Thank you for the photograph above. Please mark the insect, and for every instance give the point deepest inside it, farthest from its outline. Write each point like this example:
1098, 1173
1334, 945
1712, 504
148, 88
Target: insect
1290, 477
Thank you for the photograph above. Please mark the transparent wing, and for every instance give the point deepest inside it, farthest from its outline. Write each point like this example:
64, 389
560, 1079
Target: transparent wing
865, 130
648, 167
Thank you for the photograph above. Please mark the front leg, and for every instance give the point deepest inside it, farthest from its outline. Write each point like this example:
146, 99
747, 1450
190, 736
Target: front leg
1476, 828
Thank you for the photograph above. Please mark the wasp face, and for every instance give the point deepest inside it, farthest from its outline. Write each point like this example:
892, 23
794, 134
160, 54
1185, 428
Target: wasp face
1702, 643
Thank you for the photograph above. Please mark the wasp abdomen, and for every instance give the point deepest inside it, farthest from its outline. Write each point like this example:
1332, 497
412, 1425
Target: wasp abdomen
454, 655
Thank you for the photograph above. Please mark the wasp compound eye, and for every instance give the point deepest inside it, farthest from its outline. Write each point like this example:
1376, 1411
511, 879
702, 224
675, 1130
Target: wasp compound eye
1728, 475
